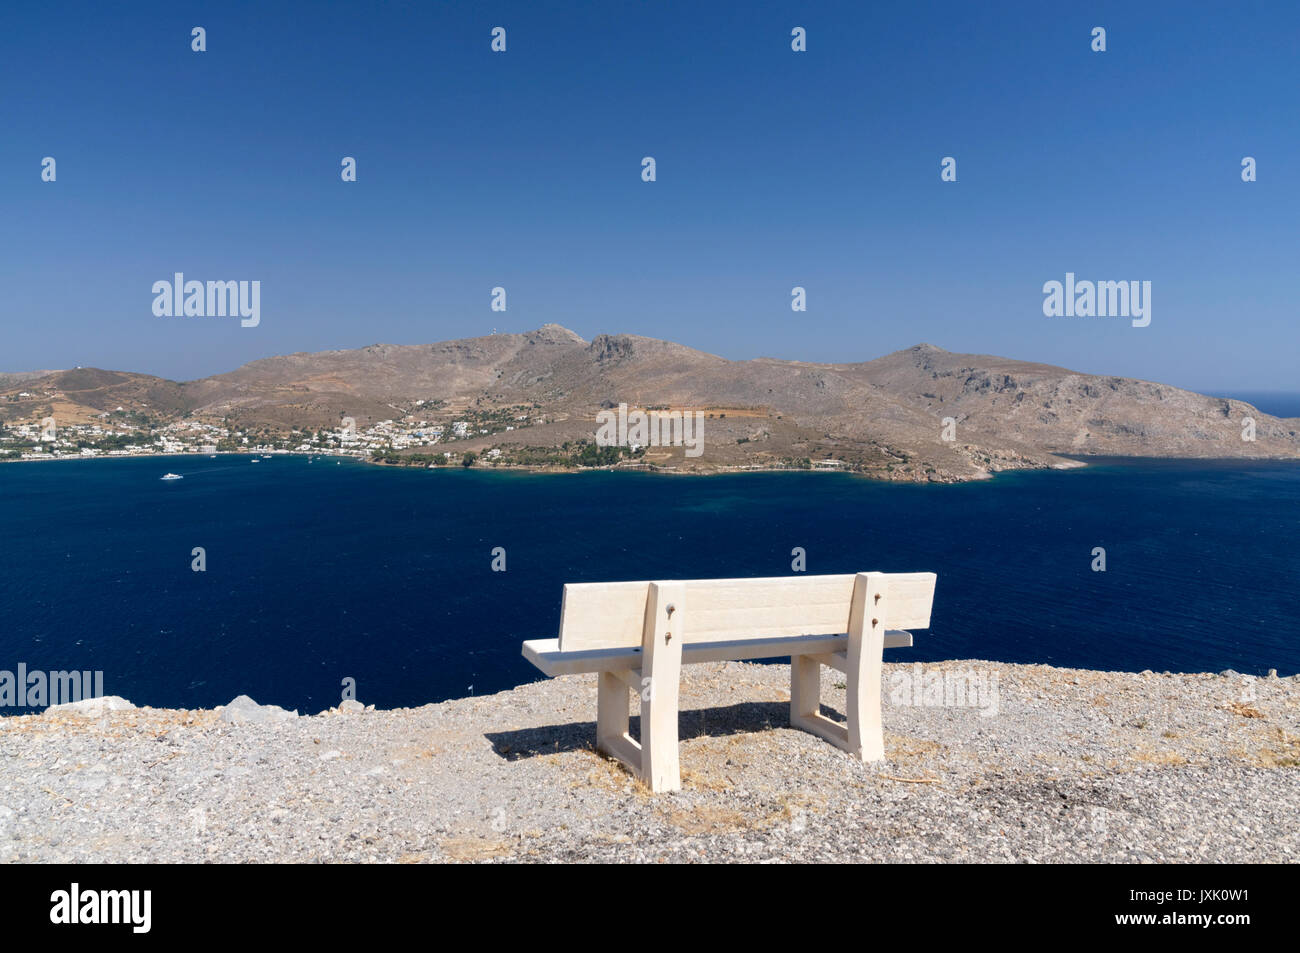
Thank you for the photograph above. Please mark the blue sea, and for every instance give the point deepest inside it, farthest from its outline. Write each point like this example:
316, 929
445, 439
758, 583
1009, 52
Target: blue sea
321, 571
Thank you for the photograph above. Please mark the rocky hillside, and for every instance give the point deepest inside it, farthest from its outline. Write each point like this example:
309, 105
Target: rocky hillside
918, 414
1067, 412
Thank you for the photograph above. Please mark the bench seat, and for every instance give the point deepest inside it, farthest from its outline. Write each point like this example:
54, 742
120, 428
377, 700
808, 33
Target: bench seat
545, 654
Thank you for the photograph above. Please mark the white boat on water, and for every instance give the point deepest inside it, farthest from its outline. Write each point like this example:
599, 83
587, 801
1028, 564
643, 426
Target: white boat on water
172, 476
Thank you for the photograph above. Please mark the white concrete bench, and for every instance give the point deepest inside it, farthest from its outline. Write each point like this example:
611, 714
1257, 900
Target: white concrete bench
637, 636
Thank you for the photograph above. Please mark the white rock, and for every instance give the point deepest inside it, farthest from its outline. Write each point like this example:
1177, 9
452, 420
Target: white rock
91, 706
243, 709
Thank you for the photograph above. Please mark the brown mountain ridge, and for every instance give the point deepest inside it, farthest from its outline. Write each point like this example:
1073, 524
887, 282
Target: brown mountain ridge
888, 417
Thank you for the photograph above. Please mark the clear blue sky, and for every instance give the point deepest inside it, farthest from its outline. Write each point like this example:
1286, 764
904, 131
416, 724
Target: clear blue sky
775, 169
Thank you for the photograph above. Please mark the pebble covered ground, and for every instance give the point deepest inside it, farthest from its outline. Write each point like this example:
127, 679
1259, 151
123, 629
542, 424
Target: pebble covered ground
1034, 764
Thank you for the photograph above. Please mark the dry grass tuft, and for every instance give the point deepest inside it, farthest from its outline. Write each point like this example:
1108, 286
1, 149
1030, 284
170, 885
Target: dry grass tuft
1244, 710
697, 781
1283, 751
704, 819
1147, 756
900, 748
609, 773
467, 850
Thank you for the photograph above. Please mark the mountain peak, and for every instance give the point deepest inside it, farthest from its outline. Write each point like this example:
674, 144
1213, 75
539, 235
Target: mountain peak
555, 334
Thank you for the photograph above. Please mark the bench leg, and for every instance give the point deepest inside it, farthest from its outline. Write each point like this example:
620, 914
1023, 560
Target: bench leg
863, 736
662, 665
806, 702
654, 759
805, 687
865, 668
659, 761
612, 720
611, 714
866, 740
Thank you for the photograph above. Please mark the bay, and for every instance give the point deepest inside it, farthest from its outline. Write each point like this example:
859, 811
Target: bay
322, 571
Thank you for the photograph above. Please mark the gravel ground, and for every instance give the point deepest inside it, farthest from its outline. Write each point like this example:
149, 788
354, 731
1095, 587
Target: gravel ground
1049, 765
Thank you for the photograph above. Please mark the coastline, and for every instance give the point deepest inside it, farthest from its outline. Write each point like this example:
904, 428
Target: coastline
1065, 463
189, 456
1069, 765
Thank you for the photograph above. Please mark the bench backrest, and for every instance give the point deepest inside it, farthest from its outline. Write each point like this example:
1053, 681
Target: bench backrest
611, 615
